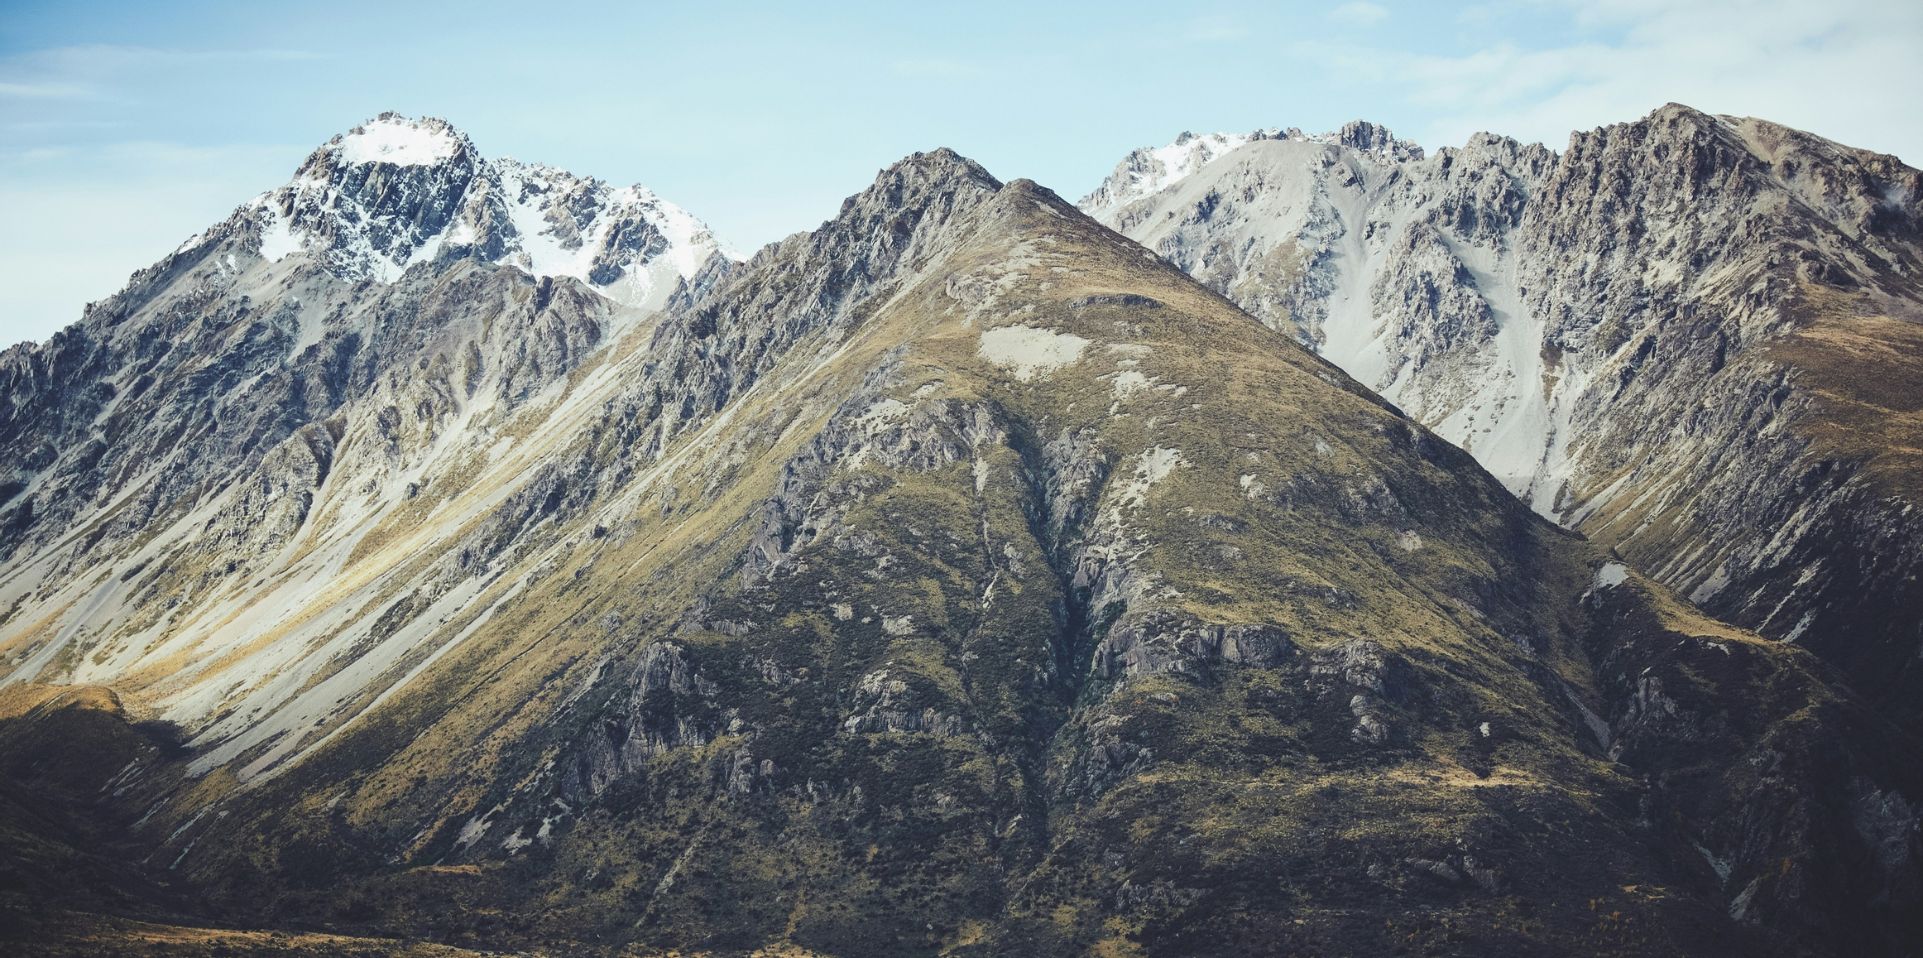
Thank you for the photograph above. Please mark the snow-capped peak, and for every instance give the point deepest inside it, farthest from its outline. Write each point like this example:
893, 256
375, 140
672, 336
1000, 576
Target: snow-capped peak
579, 226
1151, 170
396, 191
392, 138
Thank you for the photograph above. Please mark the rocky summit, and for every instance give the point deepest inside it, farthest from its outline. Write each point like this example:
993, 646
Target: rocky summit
1696, 339
962, 577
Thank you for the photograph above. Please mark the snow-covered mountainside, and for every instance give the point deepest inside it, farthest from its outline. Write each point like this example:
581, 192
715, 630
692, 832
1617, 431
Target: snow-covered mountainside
395, 191
959, 577
1697, 339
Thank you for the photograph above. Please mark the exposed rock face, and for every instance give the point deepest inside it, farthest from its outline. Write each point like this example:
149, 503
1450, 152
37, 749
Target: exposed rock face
920, 584
1159, 642
1696, 339
885, 703
666, 706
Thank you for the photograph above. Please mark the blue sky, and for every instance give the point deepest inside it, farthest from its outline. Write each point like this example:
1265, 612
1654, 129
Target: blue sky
126, 127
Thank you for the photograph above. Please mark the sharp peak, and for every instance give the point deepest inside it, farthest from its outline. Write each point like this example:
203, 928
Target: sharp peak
1682, 114
390, 119
1673, 108
919, 178
937, 164
1680, 117
1767, 140
400, 140
425, 121
1678, 114
940, 180
1362, 124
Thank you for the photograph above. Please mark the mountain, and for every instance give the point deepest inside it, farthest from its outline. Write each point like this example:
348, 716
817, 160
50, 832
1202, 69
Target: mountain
163, 453
397, 191
957, 578
1696, 339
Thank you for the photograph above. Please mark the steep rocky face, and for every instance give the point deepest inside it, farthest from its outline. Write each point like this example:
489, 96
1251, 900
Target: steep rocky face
1694, 338
196, 464
920, 585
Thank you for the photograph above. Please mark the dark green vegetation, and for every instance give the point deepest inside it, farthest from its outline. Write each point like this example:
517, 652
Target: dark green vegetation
961, 579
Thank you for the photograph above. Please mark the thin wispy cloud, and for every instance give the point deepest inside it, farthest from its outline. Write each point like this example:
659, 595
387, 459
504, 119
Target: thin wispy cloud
43, 91
95, 71
57, 124
940, 68
1359, 14
1214, 30
114, 58
1624, 58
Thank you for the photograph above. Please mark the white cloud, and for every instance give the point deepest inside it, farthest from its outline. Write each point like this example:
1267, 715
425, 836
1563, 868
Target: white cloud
1214, 30
1831, 68
43, 91
939, 68
1359, 14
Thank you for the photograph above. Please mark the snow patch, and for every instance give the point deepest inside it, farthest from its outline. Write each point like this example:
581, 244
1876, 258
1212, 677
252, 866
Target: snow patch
1611, 574
1028, 351
397, 142
1128, 382
1152, 170
475, 828
883, 411
277, 237
1151, 467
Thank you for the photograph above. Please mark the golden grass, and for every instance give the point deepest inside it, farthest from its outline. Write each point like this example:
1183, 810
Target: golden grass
1865, 368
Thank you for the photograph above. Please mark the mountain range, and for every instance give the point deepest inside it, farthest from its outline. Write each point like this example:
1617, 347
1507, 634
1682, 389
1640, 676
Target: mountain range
1693, 338
1306, 545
